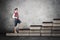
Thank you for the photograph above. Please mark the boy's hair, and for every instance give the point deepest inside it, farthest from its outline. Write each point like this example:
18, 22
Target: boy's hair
16, 9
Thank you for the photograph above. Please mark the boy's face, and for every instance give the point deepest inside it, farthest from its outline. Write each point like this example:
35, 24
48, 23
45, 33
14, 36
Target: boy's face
16, 10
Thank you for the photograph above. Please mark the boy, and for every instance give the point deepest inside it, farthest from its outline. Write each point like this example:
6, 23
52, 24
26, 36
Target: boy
16, 17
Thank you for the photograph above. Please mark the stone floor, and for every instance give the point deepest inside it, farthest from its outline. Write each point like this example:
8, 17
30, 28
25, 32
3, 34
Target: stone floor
3, 37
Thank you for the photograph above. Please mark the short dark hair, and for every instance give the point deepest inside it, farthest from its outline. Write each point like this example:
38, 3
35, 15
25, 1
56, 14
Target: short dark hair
16, 9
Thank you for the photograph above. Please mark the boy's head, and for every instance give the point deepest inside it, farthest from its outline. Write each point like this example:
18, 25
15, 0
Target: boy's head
16, 9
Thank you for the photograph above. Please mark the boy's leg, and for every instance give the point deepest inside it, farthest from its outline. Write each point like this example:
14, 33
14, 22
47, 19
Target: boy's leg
15, 30
15, 26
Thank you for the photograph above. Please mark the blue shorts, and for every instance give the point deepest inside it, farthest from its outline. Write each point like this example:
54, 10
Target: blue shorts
17, 21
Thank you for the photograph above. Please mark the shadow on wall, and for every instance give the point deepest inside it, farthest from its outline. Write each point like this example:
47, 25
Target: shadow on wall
23, 25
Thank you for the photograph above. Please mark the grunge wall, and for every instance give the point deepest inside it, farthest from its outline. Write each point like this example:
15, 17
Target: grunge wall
30, 11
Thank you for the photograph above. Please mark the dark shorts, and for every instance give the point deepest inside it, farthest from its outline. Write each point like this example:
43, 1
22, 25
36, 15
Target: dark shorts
17, 21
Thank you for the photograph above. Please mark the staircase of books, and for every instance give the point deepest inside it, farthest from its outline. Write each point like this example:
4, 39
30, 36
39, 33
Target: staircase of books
46, 29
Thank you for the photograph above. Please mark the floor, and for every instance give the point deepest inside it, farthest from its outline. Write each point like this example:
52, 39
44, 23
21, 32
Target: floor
3, 37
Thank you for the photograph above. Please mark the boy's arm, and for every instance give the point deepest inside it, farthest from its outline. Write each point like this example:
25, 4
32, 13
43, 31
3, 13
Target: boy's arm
14, 16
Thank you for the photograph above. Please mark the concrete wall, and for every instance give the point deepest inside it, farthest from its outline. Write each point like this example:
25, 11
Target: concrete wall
30, 11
